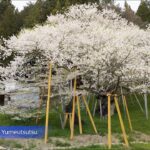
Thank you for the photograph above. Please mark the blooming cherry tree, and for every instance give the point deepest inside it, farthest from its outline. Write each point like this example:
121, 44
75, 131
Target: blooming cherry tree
98, 45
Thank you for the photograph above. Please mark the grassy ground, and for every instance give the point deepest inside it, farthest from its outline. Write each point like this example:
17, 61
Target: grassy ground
132, 147
139, 123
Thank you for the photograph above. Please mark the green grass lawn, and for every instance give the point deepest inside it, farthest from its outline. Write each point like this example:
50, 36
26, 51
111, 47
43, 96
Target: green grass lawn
138, 119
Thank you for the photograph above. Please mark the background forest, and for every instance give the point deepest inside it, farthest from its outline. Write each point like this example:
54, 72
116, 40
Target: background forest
12, 21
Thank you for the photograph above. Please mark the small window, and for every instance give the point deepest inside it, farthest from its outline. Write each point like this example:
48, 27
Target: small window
2, 100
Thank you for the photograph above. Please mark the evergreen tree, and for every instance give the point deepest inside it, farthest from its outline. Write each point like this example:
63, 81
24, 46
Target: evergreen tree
67, 3
31, 15
144, 11
3, 6
130, 15
10, 21
58, 7
37, 13
83, 1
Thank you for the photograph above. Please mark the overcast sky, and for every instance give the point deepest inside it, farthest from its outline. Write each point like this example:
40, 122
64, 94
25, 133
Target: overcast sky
133, 3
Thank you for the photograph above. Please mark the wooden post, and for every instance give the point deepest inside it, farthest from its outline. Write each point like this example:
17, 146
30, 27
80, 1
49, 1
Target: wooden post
73, 110
121, 121
123, 101
65, 120
73, 116
39, 110
101, 109
146, 105
127, 111
139, 102
40, 105
89, 113
48, 102
109, 120
70, 115
79, 115
94, 110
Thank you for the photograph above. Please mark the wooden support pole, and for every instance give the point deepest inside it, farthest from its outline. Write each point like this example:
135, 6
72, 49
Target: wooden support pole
121, 121
94, 110
73, 110
146, 105
89, 113
101, 109
67, 116
48, 102
109, 121
61, 120
139, 102
127, 111
123, 100
39, 110
65, 120
87, 98
73, 116
70, 115
79, 114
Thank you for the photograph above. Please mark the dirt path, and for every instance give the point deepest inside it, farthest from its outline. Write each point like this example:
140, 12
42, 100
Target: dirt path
139, 136
65, 143
58, 143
